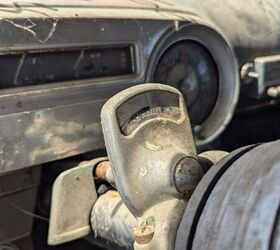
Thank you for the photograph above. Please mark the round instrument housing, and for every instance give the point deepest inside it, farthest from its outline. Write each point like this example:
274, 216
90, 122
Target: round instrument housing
199, 62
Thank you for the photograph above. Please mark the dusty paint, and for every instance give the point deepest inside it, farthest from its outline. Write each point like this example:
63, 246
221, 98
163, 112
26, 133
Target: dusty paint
238, 13
112, 221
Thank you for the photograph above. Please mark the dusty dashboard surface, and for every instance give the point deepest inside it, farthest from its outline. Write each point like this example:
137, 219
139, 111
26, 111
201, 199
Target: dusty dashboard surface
60, 61
53, 114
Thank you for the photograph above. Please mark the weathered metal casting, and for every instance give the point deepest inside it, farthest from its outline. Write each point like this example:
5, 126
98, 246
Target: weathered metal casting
155, 168
73, 196
112, 222
153, 165
241, 190
103, 171
152, 154
236, 205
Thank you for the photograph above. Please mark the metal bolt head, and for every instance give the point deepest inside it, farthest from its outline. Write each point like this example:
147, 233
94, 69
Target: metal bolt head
144, 233
187, 175
101, 169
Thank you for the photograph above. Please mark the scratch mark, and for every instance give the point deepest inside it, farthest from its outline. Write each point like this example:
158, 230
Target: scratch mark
8, 246
146, 3
153, 146
163, 2
41, 5
53, 29
27, 28
19, 67
79, 59
28, 212
142, 172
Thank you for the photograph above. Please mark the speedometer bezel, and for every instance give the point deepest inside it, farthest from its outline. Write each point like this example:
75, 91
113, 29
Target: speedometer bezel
226, 63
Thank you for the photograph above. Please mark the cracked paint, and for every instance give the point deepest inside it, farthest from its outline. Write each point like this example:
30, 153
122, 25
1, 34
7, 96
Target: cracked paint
29, 28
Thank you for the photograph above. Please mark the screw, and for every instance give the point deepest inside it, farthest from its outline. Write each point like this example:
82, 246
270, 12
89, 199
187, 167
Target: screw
101, 169
144, 233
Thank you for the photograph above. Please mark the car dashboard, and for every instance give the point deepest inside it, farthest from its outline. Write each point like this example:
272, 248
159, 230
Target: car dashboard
60, 62
58, 73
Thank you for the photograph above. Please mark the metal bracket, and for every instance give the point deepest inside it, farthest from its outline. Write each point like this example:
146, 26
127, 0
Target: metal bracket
265, 70
73, 197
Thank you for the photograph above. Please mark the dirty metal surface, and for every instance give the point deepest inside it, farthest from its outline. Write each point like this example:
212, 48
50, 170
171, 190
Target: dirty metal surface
239, 14
73, 196
52, 121
208, 158
59, 24
145, 158
151, 144
188, 224
241, 209
112, 222
17, 203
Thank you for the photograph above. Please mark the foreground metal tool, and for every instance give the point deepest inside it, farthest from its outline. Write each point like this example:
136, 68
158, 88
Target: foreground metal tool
153, 157
163, 195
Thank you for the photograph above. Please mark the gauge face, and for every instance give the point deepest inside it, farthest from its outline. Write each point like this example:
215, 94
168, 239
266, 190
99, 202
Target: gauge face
189, 67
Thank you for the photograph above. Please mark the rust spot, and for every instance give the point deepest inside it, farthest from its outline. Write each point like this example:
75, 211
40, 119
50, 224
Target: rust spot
101, 169
144, 234
19, 104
